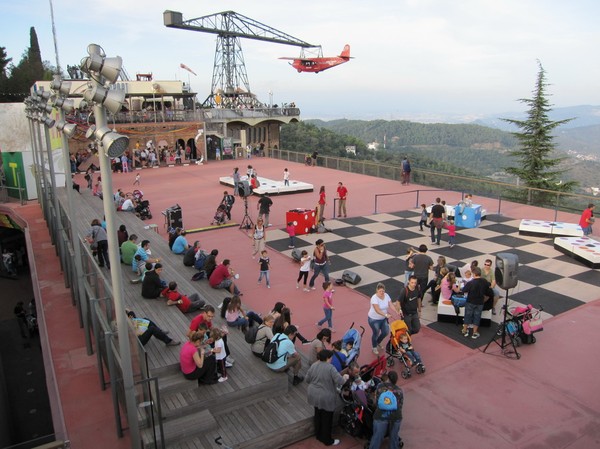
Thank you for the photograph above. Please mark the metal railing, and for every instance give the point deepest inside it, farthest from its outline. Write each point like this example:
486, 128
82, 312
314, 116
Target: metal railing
96, 312
500, 192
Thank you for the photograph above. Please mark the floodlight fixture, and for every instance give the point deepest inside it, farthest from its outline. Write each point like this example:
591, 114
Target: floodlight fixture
47, 121
60, 86
68, 129
45, 108
114, 144
112, 100
109, 68
67, 105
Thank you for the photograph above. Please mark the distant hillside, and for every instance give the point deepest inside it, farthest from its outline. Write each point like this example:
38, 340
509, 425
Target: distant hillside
584, 115
469, 149
584, 140
402, 133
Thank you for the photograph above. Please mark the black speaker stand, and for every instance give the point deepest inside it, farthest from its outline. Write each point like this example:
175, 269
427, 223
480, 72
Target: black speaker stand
247, 222
501, 334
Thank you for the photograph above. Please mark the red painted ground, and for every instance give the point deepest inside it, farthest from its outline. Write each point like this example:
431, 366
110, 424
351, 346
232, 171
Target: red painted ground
466, 399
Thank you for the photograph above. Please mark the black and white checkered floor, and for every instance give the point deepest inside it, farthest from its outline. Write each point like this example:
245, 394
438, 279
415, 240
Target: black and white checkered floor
375, 248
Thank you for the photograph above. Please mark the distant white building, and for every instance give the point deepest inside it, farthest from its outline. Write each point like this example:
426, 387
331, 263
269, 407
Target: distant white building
373, 146
351, 149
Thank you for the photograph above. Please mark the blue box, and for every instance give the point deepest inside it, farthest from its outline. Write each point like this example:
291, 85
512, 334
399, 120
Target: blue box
469, 218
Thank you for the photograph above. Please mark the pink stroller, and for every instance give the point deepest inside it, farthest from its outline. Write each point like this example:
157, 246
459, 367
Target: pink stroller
526, 321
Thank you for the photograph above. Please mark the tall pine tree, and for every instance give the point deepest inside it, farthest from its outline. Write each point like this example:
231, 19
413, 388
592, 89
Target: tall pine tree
537, 166
29, 70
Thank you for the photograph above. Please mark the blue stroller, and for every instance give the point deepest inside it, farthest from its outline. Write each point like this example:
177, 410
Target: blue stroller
354, 337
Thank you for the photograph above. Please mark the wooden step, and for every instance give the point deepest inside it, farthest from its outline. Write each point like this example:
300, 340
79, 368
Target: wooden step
181, 428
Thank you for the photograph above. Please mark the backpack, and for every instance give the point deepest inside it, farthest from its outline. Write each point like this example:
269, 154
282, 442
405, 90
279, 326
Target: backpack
199, 275
200, 260
269, 355
387, 403
250, 334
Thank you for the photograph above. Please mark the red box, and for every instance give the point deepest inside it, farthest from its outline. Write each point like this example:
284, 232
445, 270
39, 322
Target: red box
303, 220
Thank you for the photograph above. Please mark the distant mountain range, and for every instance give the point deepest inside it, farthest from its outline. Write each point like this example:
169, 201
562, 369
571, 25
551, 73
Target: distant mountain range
580, 136
584, 116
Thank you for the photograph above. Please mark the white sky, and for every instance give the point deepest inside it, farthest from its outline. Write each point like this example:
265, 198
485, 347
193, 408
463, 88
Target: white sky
415, 59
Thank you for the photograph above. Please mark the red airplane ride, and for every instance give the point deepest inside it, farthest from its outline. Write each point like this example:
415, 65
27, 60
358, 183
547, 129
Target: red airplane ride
320, 63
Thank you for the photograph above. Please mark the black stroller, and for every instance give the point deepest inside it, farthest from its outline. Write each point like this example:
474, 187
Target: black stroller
356, 417
142, 210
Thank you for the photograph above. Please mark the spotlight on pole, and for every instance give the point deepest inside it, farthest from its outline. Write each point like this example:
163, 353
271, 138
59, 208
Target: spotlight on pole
112, 100
68, 129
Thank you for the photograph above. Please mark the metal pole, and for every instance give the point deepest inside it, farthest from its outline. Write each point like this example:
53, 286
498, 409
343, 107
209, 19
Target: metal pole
117, 283
42, 176
36, 164
79, 287
58, 227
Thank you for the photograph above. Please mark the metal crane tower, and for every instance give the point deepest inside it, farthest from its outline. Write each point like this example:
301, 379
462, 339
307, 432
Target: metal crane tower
230, 87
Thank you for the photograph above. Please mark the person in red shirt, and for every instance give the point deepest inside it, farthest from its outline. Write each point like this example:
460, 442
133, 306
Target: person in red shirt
222, 277
587, 219
184, 303
206, 317
321, 204
342, 192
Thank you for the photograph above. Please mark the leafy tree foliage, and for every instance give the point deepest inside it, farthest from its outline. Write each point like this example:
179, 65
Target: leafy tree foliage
537, 166
31, 68
4, 61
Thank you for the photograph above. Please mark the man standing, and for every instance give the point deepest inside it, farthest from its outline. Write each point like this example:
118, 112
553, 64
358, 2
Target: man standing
388, 414
587, 219
488, 274
422, 264
264, 207
477, 292
410, 302
342, 192
228, 201
437, 217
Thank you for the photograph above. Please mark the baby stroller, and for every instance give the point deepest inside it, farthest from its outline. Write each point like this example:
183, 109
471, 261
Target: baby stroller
522, 323
138, 195
142, 210
356, 417
399, 329
352, 336
220, 215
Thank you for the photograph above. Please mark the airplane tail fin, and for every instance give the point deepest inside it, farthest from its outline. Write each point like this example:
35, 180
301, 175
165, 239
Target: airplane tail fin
345, 52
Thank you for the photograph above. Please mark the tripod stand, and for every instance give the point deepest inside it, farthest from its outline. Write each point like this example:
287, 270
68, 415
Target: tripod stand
247, 222
501, 334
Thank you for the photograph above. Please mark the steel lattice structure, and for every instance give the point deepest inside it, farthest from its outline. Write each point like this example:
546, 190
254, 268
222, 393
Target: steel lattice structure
230, 86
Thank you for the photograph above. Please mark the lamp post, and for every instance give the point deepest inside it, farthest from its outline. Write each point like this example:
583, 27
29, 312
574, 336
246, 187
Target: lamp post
67, 130
102, 69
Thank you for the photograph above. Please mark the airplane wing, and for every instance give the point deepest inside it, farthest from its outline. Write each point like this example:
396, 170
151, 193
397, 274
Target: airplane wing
299, 59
